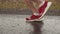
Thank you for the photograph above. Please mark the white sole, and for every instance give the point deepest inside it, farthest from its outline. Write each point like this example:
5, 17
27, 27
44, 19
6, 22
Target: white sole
34, 20
46, 9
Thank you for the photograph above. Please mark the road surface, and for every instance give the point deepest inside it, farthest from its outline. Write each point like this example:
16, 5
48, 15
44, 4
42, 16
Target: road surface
16, 24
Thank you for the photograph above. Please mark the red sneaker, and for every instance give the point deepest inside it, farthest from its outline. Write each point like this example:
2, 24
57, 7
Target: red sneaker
43, 9
33, 18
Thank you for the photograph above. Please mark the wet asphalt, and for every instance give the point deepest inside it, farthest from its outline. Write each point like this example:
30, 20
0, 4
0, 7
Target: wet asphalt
16, 24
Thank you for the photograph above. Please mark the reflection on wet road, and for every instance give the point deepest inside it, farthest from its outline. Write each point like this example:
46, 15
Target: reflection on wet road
37, 25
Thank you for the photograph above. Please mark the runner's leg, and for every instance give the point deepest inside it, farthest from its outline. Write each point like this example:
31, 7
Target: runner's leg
30, 4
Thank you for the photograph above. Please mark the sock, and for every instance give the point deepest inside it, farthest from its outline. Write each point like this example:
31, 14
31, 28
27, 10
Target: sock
36, 14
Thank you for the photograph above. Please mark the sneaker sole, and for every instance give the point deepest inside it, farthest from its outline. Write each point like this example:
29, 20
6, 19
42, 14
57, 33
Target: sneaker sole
34, 20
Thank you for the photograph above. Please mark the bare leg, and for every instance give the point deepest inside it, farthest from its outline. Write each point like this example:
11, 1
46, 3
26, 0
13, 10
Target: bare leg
38, 2
31, 6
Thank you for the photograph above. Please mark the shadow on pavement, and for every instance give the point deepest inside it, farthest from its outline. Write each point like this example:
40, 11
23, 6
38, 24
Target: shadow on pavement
37, 26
